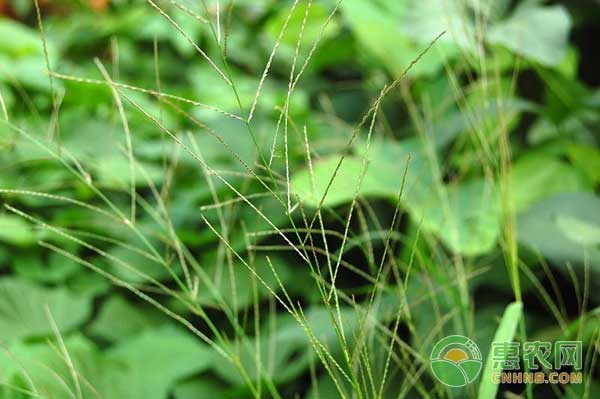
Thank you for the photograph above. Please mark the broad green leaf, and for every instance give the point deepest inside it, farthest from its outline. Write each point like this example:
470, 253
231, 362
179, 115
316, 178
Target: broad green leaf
236, 137
537, 176
570, 64
563, 228
466, 216
317, 17
579, 231
390, 161
202, 388
237, 287
89, 283
383, 173
489, 107
16, 231
109, 324
154, 24
88, 138
380, 33
134, 267
571, 127
23, 311
18, 40
53, 269
535, 31
22, 59
190, 26
505, 333
289, 346
28, 71
422, 20
318, 26
492, 10
208, 87
145, 367
174, 352
344, 184
114, 172
39, 368
493, 106
586, 159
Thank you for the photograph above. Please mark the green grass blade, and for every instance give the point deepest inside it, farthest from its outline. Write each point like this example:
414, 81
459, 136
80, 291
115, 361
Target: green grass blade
505, 333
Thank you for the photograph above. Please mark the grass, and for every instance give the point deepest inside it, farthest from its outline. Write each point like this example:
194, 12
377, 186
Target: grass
369, 340
505, 333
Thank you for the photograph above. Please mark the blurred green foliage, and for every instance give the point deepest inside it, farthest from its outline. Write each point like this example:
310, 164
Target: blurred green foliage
492, 139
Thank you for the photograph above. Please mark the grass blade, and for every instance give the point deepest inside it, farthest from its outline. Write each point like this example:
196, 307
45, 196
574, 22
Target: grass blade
505, 333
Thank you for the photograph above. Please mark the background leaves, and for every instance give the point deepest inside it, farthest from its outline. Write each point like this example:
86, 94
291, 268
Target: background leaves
218, 267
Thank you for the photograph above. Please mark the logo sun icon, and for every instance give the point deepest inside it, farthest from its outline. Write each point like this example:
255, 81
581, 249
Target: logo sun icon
456, 355
456, 361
